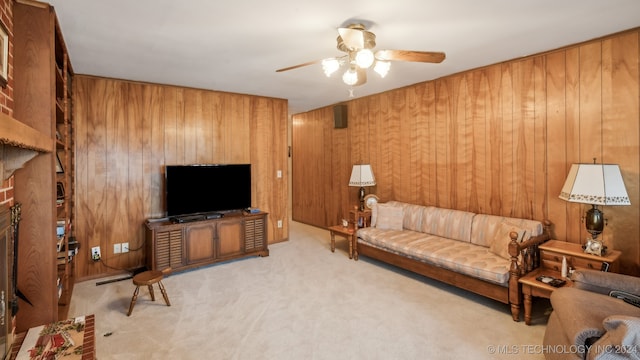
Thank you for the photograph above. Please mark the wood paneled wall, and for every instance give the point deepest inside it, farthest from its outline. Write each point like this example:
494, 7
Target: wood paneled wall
496, 140
126, 132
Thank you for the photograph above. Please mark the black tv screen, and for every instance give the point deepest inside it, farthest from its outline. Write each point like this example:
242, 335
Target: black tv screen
194, 189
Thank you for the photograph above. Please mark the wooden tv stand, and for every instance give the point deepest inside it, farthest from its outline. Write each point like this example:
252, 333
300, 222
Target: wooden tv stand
182, 246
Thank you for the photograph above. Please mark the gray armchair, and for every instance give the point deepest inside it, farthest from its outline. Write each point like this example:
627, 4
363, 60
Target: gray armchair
587, 323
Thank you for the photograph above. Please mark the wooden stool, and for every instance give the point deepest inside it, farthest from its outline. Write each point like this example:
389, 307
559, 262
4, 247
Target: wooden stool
148, 278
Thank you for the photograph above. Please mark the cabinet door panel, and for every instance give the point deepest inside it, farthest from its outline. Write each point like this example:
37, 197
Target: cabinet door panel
230, 236
255, 234
200, 243
168, 247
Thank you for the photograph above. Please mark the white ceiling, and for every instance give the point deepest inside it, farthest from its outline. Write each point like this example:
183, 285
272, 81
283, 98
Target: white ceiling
236, 46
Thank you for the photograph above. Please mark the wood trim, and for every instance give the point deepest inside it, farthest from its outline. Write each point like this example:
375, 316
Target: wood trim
35, 3
16, 133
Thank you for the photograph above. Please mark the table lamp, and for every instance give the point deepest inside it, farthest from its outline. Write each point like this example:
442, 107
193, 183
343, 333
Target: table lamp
595, 184
362, 175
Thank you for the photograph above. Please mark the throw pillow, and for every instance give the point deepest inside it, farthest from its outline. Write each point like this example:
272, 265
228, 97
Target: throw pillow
389, 217
501, 239
374, 216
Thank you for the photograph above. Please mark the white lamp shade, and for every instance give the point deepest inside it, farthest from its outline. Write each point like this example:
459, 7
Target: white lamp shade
596, 184
362, 175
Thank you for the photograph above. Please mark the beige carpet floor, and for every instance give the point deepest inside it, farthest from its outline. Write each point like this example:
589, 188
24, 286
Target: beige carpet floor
305, 302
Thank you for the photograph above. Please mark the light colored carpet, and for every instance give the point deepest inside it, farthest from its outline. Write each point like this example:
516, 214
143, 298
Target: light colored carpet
305, 302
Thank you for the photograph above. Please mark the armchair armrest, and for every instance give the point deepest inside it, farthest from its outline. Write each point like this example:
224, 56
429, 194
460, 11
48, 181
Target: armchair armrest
621, 331
604, 282
582, 313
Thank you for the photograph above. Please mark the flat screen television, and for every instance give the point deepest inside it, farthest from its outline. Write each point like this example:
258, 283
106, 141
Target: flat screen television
196, 189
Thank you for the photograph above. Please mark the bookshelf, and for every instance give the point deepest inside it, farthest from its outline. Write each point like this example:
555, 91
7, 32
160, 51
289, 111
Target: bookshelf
45, 186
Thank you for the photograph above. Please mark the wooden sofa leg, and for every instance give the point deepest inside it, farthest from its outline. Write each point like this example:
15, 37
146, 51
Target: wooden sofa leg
515, 312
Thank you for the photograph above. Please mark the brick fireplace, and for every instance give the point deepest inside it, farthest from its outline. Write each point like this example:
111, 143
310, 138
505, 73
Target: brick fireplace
6, 192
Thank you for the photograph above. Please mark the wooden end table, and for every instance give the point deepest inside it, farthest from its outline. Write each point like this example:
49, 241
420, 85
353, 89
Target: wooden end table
347, 232
551, 253
532, 287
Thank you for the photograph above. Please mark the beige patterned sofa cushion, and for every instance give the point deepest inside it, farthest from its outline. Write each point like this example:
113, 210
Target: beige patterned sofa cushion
412, 214
447, 223
502, 238
458, 256
485, 227
389, 217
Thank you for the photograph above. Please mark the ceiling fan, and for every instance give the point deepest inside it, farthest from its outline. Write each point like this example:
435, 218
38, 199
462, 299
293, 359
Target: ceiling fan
357, 43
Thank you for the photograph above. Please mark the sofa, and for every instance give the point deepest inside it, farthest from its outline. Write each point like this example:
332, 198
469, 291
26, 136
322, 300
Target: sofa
484, 254
587, 323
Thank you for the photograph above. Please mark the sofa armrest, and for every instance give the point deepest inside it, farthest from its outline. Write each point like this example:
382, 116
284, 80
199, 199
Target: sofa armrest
621, 334
604, 282
517, 267
516, 249
582, 313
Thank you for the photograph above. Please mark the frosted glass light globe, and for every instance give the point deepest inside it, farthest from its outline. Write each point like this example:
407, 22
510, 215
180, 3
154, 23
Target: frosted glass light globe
350, 77
365, 58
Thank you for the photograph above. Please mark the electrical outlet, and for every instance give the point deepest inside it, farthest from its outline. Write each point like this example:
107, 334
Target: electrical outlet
279, 224
125, 247
116, 248
95, 253
279, 173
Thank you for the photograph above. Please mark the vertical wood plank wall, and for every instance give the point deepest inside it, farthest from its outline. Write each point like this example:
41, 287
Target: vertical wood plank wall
127, 131
496, 140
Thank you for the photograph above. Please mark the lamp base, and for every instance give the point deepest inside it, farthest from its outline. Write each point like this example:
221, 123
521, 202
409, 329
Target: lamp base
594, 221
361, 194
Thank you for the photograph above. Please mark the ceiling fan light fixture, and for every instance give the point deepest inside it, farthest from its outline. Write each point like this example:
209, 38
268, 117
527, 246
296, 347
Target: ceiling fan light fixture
364, 58
350, 77
357, 44
329, 66
382, 68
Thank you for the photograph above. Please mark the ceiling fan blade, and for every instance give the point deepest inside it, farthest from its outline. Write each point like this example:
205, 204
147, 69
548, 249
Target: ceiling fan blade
299, 65
407, 55
352, 38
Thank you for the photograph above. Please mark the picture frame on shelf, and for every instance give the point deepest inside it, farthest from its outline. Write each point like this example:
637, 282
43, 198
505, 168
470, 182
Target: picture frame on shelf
4, 55
59, 168
60, 190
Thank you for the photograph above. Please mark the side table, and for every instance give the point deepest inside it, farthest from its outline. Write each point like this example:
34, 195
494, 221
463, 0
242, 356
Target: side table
532, 287
347, 232
551, 253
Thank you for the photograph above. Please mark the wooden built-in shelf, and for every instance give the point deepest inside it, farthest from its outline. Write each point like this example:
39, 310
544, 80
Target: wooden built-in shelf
19, 143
